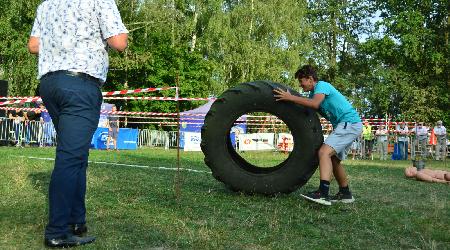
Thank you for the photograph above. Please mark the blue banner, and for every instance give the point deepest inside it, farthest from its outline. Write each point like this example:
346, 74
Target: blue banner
127, 139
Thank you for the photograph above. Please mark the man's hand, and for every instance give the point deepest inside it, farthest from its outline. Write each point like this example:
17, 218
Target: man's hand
118, 42
33, 45
281, 95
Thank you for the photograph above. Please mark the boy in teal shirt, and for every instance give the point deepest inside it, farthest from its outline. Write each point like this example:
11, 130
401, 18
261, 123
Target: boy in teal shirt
347, 126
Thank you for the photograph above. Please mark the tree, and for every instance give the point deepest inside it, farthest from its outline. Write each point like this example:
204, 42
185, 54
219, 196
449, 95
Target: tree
251, 40
19, 67
414, 49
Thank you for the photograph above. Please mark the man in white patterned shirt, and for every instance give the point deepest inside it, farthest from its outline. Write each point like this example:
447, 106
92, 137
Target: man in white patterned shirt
71, 39
441, 143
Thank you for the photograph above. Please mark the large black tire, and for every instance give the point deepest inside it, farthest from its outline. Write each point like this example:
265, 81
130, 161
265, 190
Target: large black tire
235, 172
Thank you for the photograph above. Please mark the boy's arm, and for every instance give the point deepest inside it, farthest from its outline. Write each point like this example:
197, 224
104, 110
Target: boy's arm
314, 103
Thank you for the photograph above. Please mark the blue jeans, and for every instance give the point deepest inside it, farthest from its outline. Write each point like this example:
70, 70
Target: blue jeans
403, 149
74, 106
47, 133
18, 131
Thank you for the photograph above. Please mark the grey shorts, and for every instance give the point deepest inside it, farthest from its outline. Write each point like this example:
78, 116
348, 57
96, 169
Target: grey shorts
113, 133
342, 137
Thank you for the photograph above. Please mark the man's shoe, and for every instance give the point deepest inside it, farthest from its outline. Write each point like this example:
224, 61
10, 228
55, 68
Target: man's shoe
68, 241
341, 197
79, 229
317, 197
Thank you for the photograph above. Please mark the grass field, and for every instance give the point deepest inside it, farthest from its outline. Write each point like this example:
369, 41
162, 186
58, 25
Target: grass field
136, 207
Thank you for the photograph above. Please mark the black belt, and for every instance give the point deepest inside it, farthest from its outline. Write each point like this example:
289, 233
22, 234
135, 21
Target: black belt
77, 74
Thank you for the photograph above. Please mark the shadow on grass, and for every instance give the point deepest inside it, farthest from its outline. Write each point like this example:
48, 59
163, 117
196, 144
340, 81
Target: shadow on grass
40, 181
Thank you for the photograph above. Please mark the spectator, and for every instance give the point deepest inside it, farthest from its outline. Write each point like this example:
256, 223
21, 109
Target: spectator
421, 140
356, 146
441, 141
47, 127
113, 128
402, 138
368, 139
30, 126
3, 127
17, 117
382, 141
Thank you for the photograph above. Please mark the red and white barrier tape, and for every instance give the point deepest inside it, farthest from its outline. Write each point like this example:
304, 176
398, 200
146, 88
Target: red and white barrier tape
151, 115
27, 99
109, 93
157, 98
135, 91
116, 112
154, 98
22, 101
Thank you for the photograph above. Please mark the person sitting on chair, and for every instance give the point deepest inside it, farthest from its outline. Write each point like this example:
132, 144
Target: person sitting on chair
428, 175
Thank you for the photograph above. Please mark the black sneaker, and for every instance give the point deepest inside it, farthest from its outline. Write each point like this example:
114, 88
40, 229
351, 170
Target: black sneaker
341, 197
317, 197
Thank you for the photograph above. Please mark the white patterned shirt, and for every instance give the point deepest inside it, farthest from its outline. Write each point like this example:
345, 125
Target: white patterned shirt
403, 133
440, 131
72, 35
421, 132
382, 134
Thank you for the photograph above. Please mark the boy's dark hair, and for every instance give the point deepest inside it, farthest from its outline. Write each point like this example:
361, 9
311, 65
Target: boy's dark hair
306, 71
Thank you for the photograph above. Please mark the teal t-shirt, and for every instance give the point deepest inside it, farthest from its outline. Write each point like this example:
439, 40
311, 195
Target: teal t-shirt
335, 107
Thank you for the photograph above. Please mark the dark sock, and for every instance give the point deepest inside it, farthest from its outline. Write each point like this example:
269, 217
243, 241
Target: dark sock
344, 190
324, 187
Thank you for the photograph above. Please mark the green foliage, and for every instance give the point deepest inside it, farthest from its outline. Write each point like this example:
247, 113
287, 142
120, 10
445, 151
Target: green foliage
412, 58
387, 56
17, 65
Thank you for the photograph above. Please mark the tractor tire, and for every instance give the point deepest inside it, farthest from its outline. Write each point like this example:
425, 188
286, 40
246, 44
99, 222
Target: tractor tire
235, 172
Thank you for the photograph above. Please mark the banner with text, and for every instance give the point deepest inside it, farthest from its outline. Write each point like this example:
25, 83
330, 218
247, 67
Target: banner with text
260, 141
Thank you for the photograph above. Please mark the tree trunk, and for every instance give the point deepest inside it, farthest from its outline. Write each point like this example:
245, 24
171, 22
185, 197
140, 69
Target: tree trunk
250, 30
194, 31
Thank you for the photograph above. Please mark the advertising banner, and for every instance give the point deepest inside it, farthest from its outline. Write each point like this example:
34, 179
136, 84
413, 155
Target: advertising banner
126, 139
192, 141
285, 142
260, 141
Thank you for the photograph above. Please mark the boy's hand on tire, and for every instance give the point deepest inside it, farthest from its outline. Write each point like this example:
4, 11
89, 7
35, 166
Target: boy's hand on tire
281, 95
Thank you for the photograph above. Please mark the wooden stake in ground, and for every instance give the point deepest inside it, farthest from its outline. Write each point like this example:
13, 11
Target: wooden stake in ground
178, 174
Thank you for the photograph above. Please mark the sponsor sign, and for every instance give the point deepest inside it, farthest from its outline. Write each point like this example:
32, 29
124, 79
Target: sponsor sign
260, 141
285, 142
192, 141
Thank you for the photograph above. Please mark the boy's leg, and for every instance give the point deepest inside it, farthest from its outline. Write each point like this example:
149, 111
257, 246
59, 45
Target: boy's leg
326, 168
339, 172
344, 195
325, 162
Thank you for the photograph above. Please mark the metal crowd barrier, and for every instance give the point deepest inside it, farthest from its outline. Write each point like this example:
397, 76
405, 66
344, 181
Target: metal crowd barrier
360, 148
21, 133
154, 138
